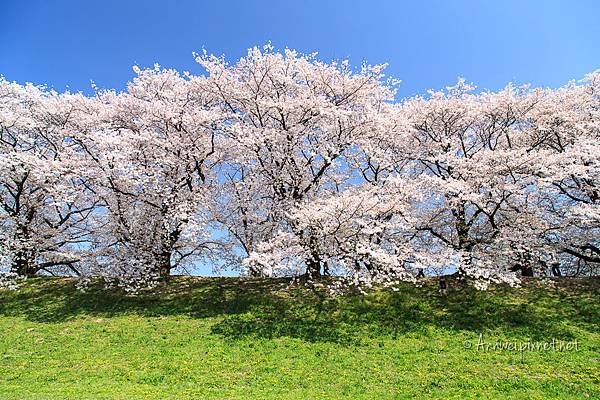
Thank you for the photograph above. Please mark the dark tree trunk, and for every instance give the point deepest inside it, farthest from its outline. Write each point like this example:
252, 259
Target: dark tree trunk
167, 251
313, 262
24, 264
326, 271
465, 242
524, 269
443, 286
165, 264
253, 272
313, 266
556, 270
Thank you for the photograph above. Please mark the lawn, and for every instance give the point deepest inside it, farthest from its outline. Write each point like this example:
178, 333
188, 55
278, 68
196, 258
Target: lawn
230, 338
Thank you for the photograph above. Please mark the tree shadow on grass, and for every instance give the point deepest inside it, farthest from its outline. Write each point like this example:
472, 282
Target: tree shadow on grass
537, 313
58, 300
269, 308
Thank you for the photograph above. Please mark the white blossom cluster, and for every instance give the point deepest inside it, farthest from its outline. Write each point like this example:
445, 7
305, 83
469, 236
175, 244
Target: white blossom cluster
10, 280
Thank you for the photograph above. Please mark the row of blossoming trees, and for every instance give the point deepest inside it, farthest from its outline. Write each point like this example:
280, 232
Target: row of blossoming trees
282, 164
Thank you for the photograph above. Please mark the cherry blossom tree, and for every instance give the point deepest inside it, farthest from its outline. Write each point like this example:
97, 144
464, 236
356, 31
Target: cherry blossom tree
44, 218
151, 152
496, 201
468, 147
291, 122
567, 135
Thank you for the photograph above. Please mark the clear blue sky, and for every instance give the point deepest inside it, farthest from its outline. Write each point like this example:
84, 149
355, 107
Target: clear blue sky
427, 43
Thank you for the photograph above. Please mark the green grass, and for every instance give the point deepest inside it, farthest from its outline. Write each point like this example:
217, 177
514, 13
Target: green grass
227, 338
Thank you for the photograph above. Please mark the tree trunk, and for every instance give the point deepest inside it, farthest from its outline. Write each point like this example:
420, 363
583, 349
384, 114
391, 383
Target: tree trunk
24, 262
556, 270
465, 242
326, 271
443, 286
24, 265
165, 264
313, 266
313, 262
524, 269
253, 272
168, 244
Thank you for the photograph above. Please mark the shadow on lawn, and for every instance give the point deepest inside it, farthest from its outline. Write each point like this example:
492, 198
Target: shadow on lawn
267, 309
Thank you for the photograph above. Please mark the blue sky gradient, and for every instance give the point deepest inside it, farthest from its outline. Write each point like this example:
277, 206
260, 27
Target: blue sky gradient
428, 44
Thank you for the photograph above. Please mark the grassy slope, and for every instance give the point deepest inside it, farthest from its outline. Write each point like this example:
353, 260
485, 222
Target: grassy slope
229, 338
